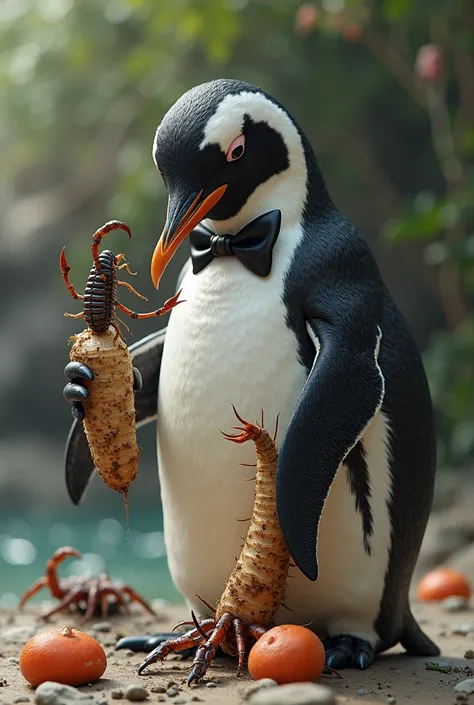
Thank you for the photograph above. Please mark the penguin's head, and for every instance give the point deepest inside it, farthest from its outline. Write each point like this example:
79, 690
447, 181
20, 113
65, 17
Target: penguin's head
227, 152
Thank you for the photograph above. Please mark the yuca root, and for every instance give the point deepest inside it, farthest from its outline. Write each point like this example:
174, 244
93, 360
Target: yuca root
255, 588
109, 421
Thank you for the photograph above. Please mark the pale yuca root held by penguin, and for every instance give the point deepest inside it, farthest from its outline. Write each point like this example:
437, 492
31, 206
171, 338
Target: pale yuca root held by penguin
255, 589
109, 421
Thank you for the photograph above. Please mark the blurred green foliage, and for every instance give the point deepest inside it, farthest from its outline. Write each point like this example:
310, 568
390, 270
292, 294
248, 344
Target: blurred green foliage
85, 83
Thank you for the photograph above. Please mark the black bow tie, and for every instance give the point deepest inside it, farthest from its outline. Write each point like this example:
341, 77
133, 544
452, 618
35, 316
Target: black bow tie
252, 245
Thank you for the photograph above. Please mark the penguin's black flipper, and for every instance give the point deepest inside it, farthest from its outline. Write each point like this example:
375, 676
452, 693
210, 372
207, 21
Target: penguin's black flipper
146, 355
341, 396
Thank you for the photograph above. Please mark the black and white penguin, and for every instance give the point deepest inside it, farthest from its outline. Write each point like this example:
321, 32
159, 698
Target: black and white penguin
286, 311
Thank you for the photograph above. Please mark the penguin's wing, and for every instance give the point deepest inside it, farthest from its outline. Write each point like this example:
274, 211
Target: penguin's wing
146, 355
342, 394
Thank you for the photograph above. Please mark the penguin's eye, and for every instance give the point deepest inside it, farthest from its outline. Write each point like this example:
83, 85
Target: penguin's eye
236, 149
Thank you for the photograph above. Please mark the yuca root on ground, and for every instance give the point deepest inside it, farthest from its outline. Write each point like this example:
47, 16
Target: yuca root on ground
255, 588
109, 421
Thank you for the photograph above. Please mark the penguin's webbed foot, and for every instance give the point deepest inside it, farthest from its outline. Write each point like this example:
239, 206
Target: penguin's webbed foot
345, 651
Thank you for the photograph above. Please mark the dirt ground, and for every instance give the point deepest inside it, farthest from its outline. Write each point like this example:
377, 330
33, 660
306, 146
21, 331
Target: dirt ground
394, 675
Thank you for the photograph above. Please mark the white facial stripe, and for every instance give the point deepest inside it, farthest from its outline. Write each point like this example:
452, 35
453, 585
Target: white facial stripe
285, 191
153, 149
227, 122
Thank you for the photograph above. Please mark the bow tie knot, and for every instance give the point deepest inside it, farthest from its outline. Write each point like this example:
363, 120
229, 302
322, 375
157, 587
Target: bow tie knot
221, 245
252, 246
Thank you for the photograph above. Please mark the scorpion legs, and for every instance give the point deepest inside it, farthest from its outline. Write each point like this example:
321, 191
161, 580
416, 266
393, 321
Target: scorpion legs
121, 258
167, 306
36, 587
130, 288
65, 269
208, 636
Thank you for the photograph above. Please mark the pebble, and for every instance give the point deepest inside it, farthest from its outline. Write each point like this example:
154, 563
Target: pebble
117, 694
391, 700
462, 698
469, 653
157, 689
294, 694
172, 692
361, 691
455, 603
50, 693
172, 684
180, 701
211, 684
12, 659
462, 629
258, 685
22, 699
196, 699
102, 626
465, 686
136, 693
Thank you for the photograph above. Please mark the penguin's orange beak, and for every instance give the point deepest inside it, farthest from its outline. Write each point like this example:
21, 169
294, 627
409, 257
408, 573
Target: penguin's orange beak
180, 221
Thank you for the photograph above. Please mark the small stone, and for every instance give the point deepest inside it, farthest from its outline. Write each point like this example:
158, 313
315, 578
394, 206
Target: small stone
157, 689
22, 699
469, 653
117, 694
454, 603
180, 701
361, 691
211, 684
391, 700
102, 626
462, 698
294, 694
50, 693
465, 686
136, 693
172, 692
258, 685
461, 629
12, 659
172, 684
101, 701
196, 699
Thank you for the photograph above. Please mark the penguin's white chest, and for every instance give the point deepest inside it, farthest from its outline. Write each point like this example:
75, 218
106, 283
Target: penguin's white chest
229, 344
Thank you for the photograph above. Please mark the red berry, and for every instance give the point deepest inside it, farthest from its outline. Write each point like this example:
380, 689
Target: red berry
306, 18
429, 63
352, 32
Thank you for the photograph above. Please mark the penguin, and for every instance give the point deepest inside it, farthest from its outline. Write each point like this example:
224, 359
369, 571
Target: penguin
286, 311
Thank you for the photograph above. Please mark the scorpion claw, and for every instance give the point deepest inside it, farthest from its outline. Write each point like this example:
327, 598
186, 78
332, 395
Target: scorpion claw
78, 369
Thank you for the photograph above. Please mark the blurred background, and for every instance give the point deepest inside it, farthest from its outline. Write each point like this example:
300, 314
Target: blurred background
384, 89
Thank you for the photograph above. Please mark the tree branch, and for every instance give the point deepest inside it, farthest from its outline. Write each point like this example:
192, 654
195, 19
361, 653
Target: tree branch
388, 55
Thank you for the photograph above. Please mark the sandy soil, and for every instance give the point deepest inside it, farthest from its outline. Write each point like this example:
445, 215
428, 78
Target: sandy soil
404, 678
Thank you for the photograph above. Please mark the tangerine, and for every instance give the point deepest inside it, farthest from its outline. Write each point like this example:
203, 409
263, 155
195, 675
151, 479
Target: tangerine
287, 653
64, 655
441, 583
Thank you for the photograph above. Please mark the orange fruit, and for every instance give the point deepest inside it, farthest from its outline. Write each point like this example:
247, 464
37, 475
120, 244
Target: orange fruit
443, 582
64, 655
288, 654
